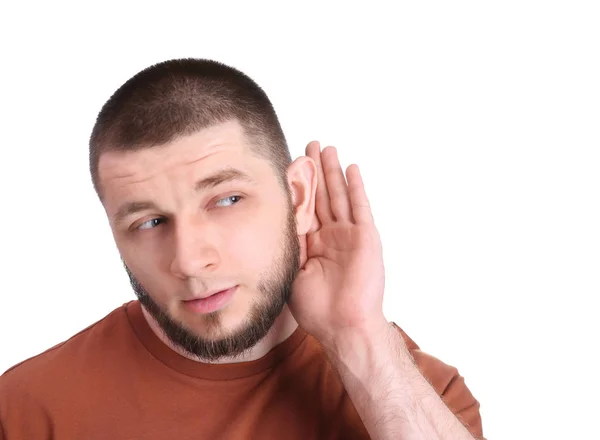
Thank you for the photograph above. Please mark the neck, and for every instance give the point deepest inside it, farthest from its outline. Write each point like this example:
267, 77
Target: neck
284, 326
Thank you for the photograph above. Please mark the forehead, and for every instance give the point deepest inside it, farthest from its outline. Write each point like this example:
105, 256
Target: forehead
220, 145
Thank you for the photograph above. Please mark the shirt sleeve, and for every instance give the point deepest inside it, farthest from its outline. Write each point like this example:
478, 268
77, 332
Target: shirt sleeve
449, 385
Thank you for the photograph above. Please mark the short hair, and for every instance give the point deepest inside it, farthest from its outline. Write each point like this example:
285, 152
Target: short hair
179, 97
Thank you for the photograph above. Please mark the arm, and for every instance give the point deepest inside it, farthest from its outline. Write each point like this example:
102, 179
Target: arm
337, 296
391, 395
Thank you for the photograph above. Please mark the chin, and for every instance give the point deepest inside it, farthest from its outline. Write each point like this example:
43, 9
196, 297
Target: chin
230, 330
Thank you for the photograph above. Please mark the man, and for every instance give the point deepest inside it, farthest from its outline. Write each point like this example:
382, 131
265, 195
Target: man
259, 283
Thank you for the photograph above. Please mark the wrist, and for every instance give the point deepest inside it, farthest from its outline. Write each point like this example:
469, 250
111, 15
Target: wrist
361, 347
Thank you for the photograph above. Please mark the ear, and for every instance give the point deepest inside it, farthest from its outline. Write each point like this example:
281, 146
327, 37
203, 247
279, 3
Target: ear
302, 180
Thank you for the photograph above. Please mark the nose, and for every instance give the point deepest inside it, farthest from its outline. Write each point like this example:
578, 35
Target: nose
194, 251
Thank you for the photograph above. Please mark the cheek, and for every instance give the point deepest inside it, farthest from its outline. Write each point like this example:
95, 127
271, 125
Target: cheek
255, 244
141, 260
145, 272
145, 264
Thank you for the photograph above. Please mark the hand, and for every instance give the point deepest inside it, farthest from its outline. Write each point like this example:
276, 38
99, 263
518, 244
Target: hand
340, 287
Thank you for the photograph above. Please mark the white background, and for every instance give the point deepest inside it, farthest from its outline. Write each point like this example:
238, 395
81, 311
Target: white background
477, 129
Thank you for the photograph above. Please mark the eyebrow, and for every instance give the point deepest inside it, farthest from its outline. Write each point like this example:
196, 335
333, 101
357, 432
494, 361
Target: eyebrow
222, 176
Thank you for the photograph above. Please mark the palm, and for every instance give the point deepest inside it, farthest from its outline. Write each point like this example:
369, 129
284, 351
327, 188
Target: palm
341, 284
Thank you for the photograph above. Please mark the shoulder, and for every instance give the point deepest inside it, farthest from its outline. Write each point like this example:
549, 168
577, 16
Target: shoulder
54, 362
436, 371
447, 382
62, 383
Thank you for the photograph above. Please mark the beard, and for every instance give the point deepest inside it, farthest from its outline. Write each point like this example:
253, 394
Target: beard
275, 287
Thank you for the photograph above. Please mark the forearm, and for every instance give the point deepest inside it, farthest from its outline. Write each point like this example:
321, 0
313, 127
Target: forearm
392, 397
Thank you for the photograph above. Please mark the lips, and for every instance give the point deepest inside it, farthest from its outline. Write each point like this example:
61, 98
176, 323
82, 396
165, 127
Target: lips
210, 302
208, 294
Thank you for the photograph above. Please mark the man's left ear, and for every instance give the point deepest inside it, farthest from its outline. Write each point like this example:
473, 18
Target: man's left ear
302, 180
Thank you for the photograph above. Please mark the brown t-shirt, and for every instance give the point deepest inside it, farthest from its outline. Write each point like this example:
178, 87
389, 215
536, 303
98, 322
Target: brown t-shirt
117, 380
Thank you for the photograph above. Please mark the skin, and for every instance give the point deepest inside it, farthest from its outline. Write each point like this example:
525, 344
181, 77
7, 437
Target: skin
206, 241
336, 296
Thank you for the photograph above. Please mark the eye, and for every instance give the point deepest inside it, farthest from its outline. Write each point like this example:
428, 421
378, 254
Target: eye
150, 224
231, 200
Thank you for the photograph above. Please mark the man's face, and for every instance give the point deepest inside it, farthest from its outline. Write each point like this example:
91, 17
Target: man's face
195, 217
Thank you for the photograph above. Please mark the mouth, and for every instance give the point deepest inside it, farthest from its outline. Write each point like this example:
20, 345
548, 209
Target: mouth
211, 303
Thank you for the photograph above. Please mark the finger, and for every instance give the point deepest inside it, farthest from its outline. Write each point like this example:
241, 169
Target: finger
336, 185
302, 240
361, 209
313, 150
315, 225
